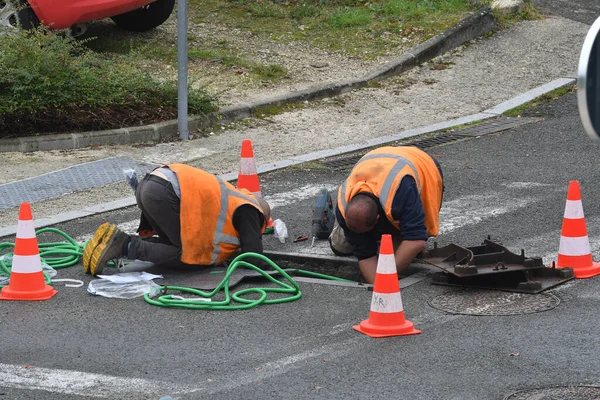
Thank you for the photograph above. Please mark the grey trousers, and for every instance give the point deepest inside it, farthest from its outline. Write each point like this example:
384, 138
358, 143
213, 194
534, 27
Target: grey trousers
160, 207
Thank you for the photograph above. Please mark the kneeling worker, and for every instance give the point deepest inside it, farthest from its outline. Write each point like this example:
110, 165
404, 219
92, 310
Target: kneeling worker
199, 218
394, 190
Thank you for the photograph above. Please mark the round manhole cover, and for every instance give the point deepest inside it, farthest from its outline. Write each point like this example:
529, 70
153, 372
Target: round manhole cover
558, 393
486, 302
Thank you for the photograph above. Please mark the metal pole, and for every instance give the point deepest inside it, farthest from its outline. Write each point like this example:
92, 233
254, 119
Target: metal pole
182, 70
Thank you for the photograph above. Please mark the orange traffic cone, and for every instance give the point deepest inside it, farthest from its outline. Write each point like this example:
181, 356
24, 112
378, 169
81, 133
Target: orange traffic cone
26, 276
247, 176
387, 313
574, 248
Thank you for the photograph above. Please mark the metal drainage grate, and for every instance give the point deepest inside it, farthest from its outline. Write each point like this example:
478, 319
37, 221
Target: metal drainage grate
495, 125
437, 140
342, 163
73, 179
487, 127
475, 302
558, 393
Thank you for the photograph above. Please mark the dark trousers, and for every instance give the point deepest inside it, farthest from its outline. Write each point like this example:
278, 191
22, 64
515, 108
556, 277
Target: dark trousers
160, 208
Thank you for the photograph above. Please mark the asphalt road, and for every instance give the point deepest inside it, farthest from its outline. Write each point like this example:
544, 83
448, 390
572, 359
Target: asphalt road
510, 185
585, 11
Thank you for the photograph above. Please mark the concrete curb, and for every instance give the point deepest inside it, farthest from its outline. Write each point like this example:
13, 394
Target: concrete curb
475, 25
487, 114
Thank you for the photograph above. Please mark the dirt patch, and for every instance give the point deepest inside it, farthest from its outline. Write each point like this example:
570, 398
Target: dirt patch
82, 119
227, 73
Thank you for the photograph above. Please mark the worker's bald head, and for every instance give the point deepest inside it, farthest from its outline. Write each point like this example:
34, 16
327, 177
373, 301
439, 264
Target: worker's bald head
361, 213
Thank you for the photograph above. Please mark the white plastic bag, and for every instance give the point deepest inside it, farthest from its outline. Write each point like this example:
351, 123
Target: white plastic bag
131, 288
280, 230
131, 178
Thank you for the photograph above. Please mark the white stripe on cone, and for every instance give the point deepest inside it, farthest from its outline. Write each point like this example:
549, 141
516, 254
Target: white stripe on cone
26, 264
574, 246
386, 264
247, 166
386, 302
25, 229
574, 209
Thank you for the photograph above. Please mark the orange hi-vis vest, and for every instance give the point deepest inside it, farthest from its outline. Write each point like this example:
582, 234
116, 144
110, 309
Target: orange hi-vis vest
380, 172
207, 206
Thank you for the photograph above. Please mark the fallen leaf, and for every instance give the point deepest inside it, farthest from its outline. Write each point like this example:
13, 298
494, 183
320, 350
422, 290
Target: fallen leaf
515, 354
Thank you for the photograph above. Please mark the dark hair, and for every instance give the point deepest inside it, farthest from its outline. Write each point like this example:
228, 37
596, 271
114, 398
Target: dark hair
369, 207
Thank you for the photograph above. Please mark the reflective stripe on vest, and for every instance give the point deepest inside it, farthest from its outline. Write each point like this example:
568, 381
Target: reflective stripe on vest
389, 180
219, 236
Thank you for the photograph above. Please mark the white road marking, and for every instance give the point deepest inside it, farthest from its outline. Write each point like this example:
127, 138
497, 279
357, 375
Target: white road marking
470, 210
282, 366
293, 196
546, 245
64, 381
525, 185
104, 386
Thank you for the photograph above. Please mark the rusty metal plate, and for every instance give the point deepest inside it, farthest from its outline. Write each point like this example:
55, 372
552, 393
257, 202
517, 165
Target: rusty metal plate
530, 281
492, 266
488, 258
558, 393
487, 302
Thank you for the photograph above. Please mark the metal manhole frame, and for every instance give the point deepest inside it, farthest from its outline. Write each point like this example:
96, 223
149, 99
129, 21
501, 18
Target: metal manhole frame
510, 396
552, 296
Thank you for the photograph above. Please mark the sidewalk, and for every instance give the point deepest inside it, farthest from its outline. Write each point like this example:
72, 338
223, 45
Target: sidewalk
477, 78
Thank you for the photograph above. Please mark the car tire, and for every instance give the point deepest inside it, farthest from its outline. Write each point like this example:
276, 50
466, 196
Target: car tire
145, 18
17, 13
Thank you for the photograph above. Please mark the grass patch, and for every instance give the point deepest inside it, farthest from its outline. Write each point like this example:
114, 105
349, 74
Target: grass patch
359, 28
46, 74
545, 98
270, 110
526, 12
220, 52
267, 10
349, 17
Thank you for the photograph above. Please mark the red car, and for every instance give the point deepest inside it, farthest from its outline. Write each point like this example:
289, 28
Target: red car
133, 15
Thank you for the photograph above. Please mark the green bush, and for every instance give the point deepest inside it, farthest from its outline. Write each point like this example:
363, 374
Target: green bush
43, 69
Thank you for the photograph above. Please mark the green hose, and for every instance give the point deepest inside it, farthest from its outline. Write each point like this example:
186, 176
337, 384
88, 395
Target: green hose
68, 253
71, 251
292, 289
